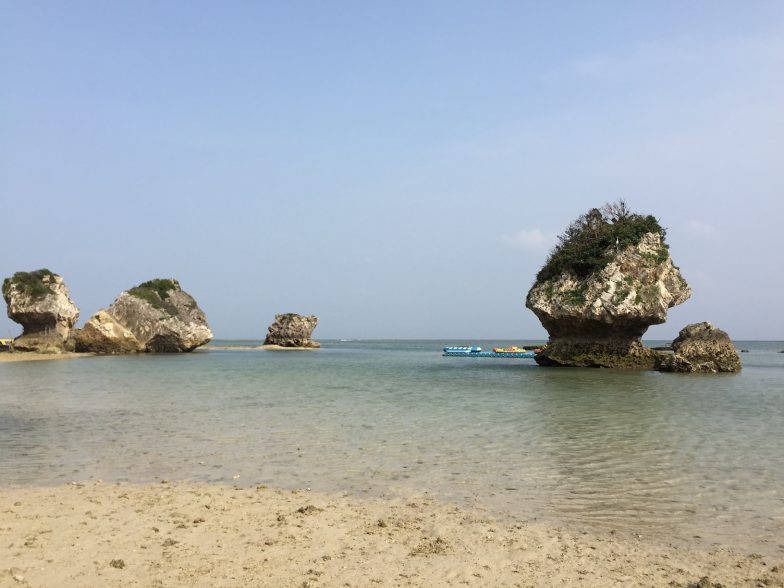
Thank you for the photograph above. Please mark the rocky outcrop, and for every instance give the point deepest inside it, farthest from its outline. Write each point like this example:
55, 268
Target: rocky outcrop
154, 316
292, 330
104, 334
599, 319
39, 301
701, 348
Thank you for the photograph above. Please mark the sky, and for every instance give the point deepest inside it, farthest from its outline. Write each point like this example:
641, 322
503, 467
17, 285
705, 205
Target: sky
399, 169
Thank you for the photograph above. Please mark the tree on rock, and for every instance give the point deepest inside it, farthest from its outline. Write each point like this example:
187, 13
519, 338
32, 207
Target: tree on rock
606, 281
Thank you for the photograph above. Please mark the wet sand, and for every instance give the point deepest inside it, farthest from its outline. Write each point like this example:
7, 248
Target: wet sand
266, 347
270, 347
181, 534
10, 357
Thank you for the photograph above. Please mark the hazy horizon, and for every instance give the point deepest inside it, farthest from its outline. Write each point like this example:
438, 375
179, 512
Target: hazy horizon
400, 171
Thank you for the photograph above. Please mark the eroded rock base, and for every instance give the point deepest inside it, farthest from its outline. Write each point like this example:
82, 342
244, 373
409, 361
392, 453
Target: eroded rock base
608, 353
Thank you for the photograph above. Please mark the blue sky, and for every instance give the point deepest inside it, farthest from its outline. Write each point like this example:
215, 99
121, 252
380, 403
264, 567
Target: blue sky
399, 169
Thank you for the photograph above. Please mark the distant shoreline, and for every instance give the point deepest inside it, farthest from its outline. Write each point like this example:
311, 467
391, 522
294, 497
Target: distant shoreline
20, 356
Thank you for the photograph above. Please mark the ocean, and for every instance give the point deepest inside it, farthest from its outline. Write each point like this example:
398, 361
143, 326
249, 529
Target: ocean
685, 458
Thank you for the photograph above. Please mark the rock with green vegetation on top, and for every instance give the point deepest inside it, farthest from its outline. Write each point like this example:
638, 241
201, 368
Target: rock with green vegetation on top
292, 330
701, 348
39, 301
608, 279
158, 315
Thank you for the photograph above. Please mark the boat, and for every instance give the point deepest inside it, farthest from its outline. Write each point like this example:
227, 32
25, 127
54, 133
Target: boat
477, 352
512, 349
462, 349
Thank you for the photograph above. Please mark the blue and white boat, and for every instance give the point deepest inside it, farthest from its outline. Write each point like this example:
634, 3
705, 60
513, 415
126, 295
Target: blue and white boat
508, 353
462, 349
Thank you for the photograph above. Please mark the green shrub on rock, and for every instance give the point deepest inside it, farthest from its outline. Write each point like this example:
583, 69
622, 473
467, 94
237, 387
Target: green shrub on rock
156, 293
585, 247
30, 284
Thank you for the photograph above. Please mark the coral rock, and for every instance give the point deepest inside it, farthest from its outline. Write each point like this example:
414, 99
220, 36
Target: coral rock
599, 320
701, 348
292, 330
103, 334
154, 316
39, 301
162, 317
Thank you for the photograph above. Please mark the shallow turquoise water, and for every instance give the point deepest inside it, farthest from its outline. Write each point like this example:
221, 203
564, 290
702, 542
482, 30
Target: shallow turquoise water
658, 454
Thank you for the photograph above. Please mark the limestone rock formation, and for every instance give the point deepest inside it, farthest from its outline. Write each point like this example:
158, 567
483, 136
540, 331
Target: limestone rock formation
701, 348
103, 334
597, 305
154, 316
39, 301
292, 330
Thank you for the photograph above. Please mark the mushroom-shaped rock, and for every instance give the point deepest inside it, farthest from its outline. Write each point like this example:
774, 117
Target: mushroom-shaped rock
292, 330
701, 348
609, 279
103, 334
39, 301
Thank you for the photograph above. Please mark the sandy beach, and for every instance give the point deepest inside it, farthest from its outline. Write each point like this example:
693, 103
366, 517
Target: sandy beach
271, 347
7, 357
178, 534
266, 347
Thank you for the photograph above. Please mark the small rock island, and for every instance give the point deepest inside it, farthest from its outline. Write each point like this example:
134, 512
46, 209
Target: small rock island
155, 316
608, 279
292, 331
39, 301
701, 348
